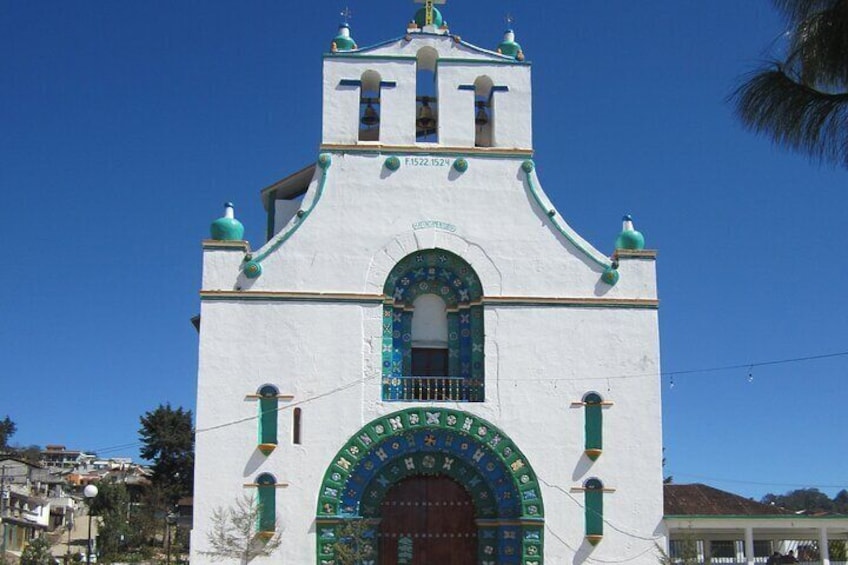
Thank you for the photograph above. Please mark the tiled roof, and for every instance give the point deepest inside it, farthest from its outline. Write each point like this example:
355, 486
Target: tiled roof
702, 500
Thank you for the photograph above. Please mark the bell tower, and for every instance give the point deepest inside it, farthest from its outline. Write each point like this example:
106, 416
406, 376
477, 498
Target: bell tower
429, 88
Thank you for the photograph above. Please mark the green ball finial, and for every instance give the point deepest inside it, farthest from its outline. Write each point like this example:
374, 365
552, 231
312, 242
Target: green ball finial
227, 228
629, 238
421, 17
343, 41
509, 47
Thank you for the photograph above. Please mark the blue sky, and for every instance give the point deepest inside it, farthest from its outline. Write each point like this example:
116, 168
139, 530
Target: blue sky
125, 126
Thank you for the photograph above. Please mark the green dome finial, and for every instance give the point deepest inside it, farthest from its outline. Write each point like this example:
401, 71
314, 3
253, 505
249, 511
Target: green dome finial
343, 41
227, 228
421, 18
629, 238
509, 47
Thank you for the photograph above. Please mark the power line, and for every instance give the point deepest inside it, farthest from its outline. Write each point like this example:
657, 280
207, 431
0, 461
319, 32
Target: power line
670, 373
599, 514
687, 371
615, 377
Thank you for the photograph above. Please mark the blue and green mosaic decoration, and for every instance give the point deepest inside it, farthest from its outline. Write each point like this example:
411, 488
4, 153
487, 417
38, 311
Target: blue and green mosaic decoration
438, 442
448, 276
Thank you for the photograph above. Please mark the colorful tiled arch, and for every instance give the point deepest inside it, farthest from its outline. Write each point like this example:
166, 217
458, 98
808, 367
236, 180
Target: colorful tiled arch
439, 272
445, 442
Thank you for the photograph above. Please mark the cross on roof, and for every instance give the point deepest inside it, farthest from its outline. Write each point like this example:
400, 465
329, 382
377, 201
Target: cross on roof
428, 5
346, 14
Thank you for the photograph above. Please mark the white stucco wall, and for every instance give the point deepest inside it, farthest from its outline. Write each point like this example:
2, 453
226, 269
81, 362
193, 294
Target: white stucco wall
553, 330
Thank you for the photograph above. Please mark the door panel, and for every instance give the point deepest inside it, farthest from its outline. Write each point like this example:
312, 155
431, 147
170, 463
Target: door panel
428, 521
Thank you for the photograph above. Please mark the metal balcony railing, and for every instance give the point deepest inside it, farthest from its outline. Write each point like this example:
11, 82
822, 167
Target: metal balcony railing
432, 389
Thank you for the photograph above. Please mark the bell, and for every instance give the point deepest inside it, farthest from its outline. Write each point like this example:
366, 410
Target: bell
370, 117
481, 118
425, 120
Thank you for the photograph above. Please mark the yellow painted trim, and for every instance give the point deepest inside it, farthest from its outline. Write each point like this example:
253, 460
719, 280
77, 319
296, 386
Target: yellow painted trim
254, 294
635, 254
581, 489
279, 396
428, 150
267, 448
242, 245
381, 298
593, 453
639, 302
594, 539
579, 403
255, 485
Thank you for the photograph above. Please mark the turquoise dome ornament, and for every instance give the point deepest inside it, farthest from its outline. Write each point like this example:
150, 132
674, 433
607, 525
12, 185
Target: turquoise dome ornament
421, 17
343, 41
629, 238
227, 228
610, 275
509, 47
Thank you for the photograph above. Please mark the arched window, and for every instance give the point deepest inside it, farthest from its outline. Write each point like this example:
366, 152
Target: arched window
296, 426
426, 96
429, 336
369, 106
484, 112
593, 490
594, 423
267, 502
268, 410
433, 330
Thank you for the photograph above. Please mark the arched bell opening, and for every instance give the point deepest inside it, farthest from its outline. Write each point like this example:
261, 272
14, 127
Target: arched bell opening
369, 106
484, 112
426, 96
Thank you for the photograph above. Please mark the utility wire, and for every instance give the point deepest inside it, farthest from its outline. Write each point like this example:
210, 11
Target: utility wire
618, 377
599, 514
687, 371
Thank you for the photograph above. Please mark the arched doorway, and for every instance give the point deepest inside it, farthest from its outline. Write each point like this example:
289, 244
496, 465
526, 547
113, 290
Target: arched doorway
427, 519
436, 443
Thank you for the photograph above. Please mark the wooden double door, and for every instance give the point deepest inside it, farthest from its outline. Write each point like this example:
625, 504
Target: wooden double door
427, 521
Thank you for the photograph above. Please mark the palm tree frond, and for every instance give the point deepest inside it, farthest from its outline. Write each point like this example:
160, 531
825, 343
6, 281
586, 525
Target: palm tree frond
795, 115
819, 49
797, 10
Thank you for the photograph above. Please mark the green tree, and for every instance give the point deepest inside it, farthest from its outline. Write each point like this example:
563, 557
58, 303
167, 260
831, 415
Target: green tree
123, 533
235, 533
801, 99
800, 499
110, 506
167, 436
7, 430
840, 502
37, 552
686, 554
30, 453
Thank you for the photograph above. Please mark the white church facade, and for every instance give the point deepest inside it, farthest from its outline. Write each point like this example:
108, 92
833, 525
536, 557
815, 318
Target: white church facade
423, 344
